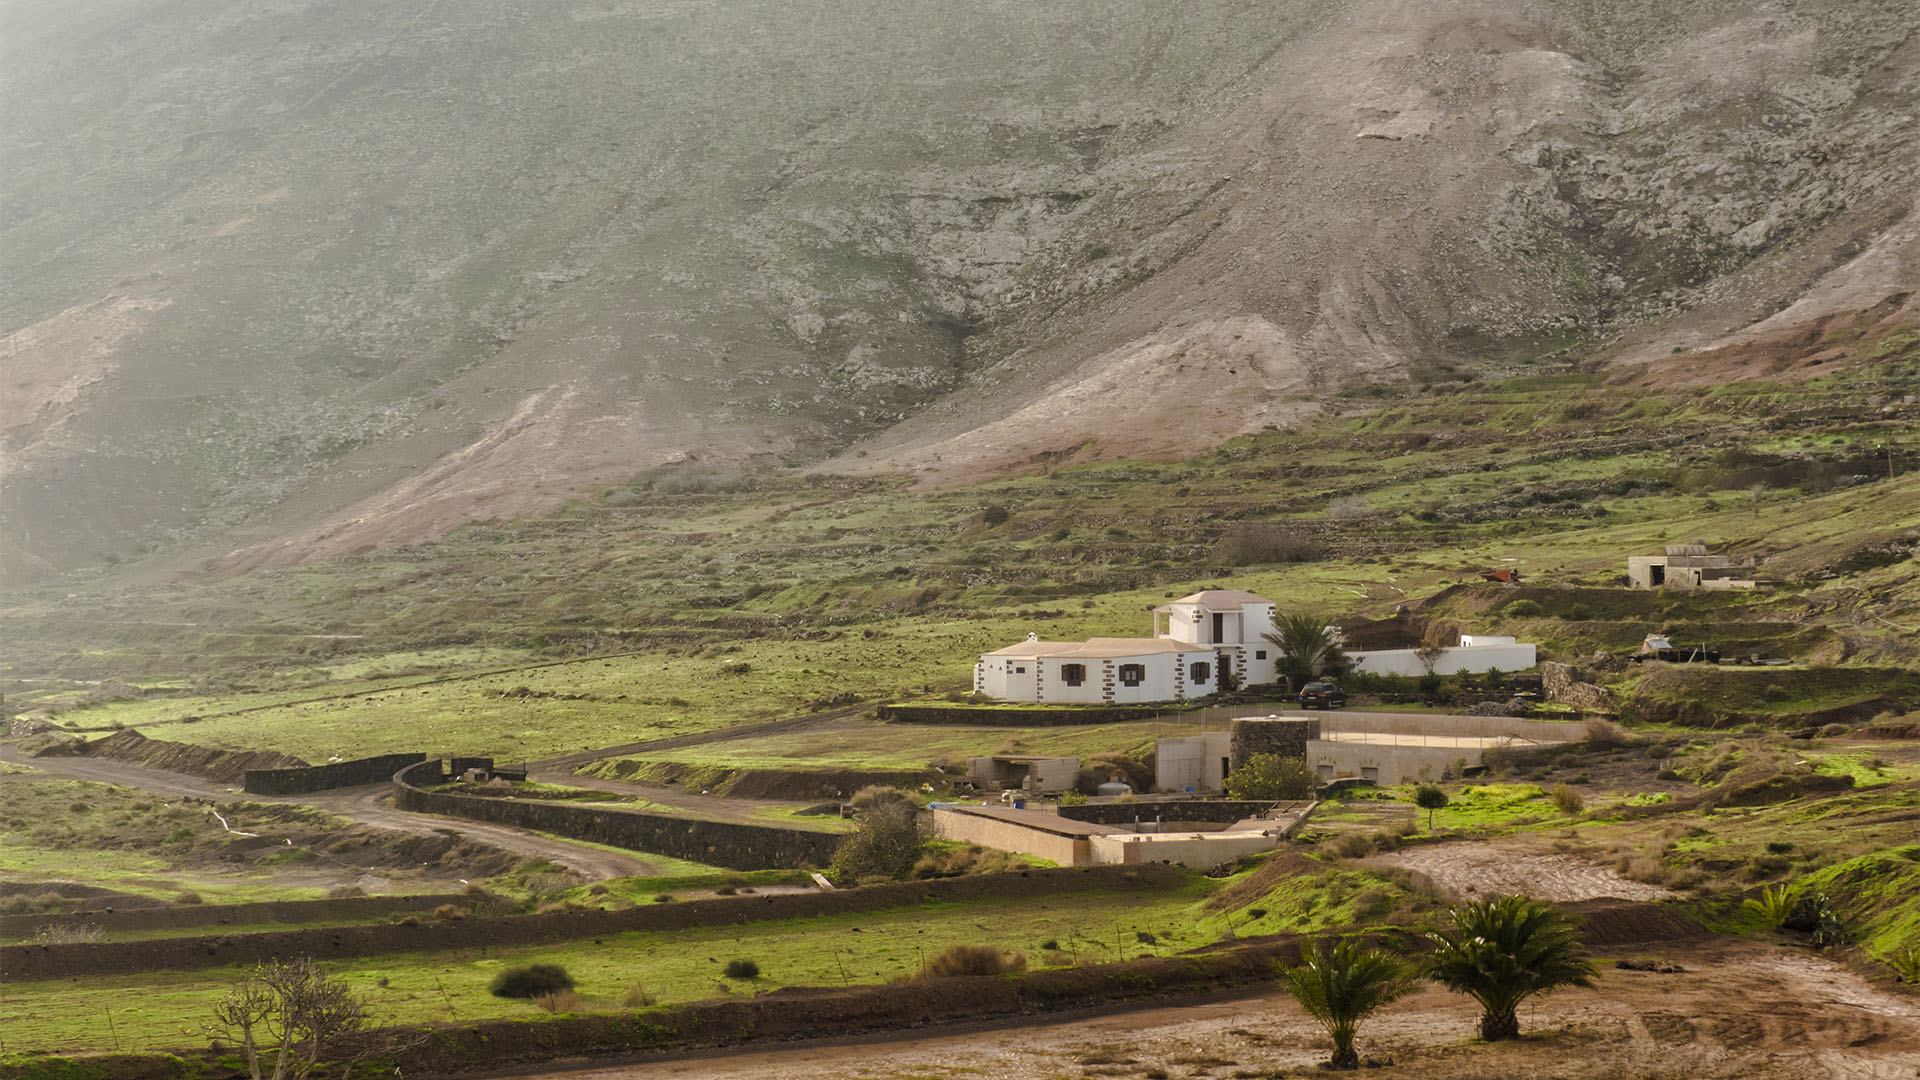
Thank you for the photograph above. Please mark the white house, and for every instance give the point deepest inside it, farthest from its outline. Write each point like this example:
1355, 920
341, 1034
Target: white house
1205, 638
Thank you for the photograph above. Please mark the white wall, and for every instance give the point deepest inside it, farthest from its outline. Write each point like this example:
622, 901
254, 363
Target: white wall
1197, 851
1473, 658
1192, 762
998, 677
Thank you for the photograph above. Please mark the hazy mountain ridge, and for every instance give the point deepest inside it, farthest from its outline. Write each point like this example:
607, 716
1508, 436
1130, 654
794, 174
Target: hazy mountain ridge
367, 273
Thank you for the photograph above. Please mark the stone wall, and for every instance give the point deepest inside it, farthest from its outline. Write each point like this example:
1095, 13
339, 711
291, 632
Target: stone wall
113, 918
1569, 685
21, 963
367, 770
1285, 737
717, 843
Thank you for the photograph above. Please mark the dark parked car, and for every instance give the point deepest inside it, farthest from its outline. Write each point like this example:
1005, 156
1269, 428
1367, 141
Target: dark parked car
1322, 695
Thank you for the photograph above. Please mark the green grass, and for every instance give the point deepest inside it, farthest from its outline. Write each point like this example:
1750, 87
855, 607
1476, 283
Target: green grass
901, 747
1480, 808
151, 1010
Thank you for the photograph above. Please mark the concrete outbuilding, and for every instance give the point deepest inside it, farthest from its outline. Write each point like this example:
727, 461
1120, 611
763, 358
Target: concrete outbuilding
1688, 566
1024, 772
1193, 763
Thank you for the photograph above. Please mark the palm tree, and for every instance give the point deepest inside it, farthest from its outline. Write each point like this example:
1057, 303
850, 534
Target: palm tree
1502, 951
1309, 648
1342, 984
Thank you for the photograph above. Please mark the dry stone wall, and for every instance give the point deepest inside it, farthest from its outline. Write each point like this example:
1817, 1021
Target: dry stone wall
717, 843
367, 770
1568, 685
1284, 738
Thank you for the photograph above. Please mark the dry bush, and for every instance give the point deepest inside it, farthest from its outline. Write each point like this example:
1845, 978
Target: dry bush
1353, 845
973, 960
1567, 800
561, 1001
1604, 732
637, 997
446, 912
1645, 869
1251, 542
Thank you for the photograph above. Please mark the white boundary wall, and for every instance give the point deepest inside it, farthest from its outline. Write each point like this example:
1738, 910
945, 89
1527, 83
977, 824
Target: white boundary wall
1468, 658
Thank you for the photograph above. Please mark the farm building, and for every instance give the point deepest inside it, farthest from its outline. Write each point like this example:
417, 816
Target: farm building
1200, 643
1688, 566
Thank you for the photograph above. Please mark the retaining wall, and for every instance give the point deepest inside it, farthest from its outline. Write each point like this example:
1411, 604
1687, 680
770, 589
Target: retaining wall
367, 770
717, 843
1223, 811
1034, 716
21, 963
175, 916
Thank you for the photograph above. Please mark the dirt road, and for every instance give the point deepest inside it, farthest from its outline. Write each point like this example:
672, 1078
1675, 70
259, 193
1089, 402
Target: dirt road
367, 804
1740, 1009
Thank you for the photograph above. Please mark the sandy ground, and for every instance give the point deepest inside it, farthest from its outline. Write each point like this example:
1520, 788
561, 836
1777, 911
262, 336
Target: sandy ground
1740, 1009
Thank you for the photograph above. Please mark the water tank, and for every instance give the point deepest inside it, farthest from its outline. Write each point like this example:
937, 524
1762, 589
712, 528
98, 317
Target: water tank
1115, 787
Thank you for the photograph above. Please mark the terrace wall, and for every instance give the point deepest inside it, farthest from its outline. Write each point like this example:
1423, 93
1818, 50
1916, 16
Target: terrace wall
22, 963
717, 843
367, 770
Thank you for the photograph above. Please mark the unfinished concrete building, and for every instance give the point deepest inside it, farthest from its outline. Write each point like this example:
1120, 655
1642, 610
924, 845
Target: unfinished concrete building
1688, 566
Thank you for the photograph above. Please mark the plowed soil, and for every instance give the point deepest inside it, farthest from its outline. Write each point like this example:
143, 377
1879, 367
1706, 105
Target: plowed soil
1739, 1009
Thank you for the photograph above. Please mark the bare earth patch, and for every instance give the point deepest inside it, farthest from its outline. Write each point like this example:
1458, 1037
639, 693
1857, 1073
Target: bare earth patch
1493, 869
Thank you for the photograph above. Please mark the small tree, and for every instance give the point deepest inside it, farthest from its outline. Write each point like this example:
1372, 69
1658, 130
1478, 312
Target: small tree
1270, 776
1429, 797
1309, 648
886, 842
1342, 984
1429, 655
1502, 951
290, 1014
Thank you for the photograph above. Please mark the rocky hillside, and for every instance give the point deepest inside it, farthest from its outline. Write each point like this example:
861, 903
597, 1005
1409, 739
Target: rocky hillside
298, 279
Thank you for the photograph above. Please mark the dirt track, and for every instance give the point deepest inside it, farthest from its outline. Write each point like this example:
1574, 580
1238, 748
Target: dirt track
1740, 1009
366, 804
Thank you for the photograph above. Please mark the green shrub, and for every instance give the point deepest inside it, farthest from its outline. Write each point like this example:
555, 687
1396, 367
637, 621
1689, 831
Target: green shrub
534, 981
742, 969
1270, 776
1773, 905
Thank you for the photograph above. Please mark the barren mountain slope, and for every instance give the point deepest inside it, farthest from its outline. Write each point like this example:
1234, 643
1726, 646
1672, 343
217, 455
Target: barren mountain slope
313, 277
1417, 187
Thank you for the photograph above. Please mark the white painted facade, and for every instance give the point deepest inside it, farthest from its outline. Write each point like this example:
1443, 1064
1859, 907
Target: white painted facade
1234, 622
1202, 637
1196, 763
1476, 653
